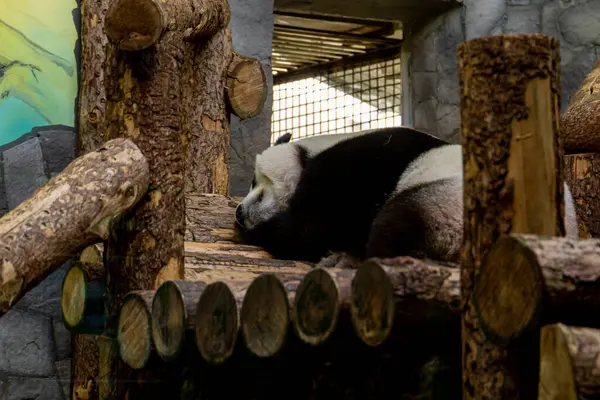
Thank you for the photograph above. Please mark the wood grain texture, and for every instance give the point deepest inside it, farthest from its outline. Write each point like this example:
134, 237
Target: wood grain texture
580, 122
134, 326
71, 211
570, 271
205, 114
582, 174
412, 295
569, 363
512, 155
92, 94
247, 87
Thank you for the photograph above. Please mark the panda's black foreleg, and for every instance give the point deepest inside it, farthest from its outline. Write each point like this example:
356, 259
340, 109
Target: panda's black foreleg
424, 221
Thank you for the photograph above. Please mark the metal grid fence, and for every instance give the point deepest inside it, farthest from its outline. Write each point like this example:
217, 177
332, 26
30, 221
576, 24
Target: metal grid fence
364, 96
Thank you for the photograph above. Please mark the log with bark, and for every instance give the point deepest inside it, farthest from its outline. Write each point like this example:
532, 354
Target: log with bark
247, 86
134, 328
153, 98
265, 312
217, 319
569, 363
82, 298
569, 269
580, 122
582, 174
72, 211
513, 166
318, 300
209, 218
135, 25
406, 292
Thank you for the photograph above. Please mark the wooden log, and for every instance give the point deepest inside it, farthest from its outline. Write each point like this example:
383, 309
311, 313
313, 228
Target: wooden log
510, 96
582, 173
205, 113
84, 374
82, 298
580, 122
209, 218
569, 363
570, 270
319, 298
265, 312
247, 86
217, 319
134, 25
418, 294
134, 329
43, 232
173, 315
92, 94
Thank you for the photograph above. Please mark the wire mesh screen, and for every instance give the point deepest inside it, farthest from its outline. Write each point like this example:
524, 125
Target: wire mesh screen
364, 96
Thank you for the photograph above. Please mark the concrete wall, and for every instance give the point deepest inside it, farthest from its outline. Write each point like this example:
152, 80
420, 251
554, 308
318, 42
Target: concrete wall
433, 65
252, 30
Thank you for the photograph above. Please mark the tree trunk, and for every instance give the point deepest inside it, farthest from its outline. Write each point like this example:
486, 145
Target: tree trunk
582, 173
580, 123
82, 298
569, 363
43, 232
510, 94
134, 328
92, 95
154, 96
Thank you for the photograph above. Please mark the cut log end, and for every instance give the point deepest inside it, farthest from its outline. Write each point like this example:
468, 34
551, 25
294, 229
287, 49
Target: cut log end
265, 315
316, 307
134, 329
556, 369
168, 320
217, 323
372, 303
72, 301
508, 293
82, 299
134, 25
246, 88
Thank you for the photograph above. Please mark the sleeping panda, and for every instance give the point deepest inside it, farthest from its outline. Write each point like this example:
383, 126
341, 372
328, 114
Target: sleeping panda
381, 193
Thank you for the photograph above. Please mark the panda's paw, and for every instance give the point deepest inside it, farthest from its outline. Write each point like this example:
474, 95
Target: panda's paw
338, 260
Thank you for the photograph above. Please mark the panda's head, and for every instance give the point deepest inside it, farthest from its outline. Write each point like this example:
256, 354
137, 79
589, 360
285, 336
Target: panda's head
276, 175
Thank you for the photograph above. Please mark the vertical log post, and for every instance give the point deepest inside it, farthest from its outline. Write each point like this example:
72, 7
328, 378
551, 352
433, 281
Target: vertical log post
162, 82
510, 96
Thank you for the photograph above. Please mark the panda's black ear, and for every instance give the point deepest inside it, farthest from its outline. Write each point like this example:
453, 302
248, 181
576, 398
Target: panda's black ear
285, 138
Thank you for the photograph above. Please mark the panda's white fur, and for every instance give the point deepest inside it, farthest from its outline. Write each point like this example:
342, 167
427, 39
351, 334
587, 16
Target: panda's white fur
431, 186
277, 171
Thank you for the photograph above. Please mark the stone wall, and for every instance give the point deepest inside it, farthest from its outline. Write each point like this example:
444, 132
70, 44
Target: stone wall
252, 30
434, 69
35, 345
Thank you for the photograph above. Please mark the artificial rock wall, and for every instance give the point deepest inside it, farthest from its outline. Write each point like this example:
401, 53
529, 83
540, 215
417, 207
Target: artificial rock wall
434, 66
35, 347
252, 34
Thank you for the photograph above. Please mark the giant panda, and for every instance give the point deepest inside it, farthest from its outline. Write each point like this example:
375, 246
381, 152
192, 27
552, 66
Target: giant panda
380, 193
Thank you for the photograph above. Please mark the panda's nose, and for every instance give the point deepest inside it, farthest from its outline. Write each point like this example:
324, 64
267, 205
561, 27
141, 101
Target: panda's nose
239, 215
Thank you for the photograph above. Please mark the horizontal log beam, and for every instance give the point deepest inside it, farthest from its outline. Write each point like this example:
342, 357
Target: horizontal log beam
72, 211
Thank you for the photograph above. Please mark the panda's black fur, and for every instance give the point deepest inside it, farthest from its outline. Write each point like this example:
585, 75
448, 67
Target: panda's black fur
338, 197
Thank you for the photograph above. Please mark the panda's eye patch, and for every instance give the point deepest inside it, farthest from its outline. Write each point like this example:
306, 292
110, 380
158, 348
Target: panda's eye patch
260, 196
253, 184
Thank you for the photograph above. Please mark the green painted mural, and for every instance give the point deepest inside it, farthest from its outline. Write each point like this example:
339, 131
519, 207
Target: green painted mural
38, 65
